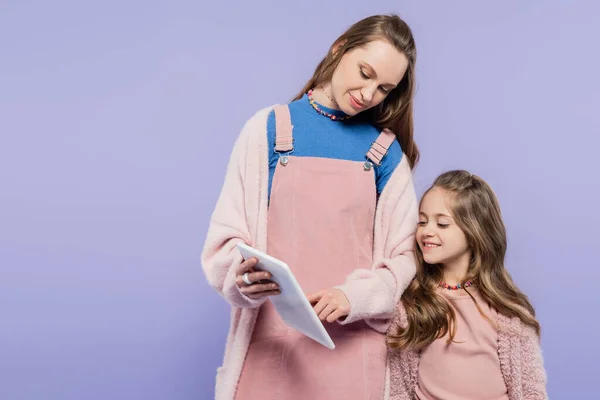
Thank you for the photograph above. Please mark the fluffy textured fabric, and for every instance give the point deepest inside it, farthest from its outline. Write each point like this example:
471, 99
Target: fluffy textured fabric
518, 350
241, 216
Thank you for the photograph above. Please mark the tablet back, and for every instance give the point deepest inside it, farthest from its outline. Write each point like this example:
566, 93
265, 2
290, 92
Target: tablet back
292, 304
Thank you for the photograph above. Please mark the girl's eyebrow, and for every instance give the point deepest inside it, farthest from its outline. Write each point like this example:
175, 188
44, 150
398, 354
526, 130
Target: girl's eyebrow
436, 215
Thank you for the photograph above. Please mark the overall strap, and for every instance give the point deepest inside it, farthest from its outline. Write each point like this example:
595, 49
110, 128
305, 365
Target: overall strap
284, 139
380, 147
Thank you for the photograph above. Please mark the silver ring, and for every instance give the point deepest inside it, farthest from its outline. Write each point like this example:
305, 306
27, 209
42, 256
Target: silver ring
246, 280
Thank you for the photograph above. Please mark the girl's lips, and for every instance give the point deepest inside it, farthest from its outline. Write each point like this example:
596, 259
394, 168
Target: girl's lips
429, 245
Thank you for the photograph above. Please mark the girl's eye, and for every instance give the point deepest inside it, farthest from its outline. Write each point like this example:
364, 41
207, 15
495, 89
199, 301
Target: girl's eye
443, 226
422, 223
364, 76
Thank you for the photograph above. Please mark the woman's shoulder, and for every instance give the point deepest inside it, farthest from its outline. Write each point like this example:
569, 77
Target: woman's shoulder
261, 115
394, 155
256, 125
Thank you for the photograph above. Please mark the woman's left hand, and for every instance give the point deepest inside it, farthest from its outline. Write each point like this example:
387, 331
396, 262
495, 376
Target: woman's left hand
331, 304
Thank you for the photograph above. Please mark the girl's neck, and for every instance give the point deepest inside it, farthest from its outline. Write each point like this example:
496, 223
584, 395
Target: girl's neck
455, 271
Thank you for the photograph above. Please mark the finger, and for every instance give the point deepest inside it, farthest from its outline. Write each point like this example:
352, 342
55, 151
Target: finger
337, 314
331, 307
254, 278
239, 281
320, 306
258, 276
256, 296
315, 297
246, 266
259, 287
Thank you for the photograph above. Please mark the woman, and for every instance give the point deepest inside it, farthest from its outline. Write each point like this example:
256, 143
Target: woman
325, 184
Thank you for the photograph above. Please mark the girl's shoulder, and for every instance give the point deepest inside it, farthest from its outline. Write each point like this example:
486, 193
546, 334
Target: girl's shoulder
513, 326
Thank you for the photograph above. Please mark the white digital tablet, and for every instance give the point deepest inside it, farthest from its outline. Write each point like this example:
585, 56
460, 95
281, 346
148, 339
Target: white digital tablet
291, 304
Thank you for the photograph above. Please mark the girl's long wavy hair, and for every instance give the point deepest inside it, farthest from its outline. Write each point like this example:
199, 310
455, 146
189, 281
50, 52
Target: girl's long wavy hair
396, 111
475, 208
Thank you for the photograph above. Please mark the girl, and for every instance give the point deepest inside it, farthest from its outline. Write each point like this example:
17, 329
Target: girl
464, 330
316, 183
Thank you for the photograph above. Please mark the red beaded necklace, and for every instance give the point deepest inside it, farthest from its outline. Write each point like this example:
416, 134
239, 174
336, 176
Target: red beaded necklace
314, 105
455, 287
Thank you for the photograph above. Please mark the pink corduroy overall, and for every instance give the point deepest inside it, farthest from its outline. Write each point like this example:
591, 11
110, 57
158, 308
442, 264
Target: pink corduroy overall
320, 222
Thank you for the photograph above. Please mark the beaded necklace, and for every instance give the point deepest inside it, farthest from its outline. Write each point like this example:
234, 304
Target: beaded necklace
318, 109
455, 287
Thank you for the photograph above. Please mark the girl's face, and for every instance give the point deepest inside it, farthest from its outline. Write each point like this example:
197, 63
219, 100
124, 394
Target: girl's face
438, 236
365, 76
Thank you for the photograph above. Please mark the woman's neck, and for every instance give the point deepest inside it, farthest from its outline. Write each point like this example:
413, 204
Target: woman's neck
322, 95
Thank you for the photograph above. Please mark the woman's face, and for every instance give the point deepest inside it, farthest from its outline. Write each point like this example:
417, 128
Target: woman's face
365, 76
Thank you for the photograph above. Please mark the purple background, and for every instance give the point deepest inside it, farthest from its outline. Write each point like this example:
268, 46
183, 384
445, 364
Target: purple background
117, 119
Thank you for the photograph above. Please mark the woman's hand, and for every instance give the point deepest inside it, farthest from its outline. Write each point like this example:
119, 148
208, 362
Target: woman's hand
331, 304
255, 284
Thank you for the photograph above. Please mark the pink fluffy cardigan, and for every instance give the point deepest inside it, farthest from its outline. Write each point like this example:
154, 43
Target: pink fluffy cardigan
520, 361
240, 215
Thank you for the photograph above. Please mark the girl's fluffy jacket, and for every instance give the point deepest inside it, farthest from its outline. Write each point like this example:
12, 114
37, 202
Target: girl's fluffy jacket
520, 361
